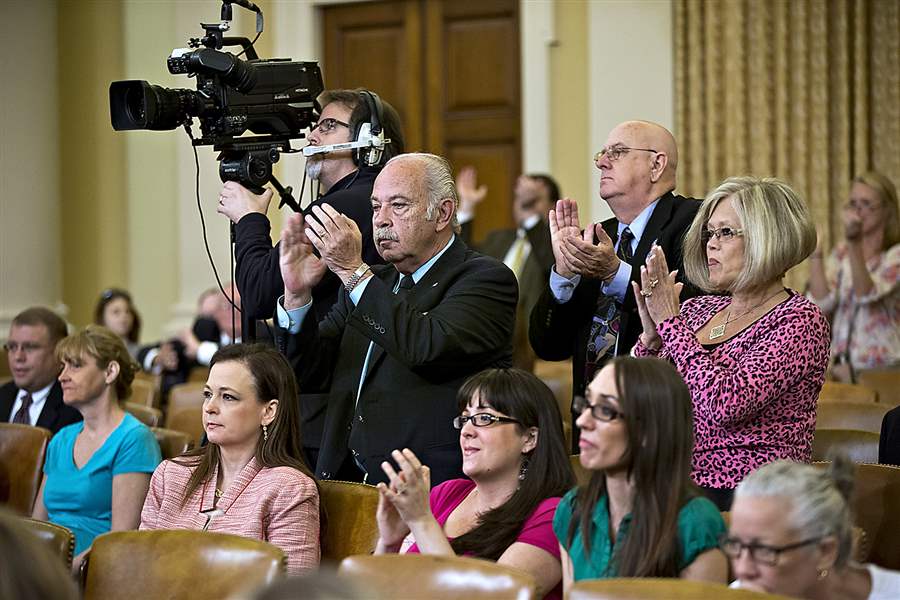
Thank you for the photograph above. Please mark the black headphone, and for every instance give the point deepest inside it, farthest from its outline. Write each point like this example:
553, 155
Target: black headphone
376, 116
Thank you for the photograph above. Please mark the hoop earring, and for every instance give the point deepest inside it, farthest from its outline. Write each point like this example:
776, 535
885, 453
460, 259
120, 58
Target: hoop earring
265, 433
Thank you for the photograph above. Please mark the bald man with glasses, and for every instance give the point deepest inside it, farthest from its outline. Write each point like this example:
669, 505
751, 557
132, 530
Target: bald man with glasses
587, 312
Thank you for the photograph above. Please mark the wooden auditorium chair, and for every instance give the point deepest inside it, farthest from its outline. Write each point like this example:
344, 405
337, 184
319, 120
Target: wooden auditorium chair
177, 565
835, 391
185, 409
851, 415
56, 538
876, 509
145, 389
22, 451
172, 443
660, 589
149, 416
350, 519
859, 446
886, 382
438, 577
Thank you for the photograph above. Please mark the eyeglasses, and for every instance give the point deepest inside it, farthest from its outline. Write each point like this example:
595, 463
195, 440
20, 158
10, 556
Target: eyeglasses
326, 125
480, 420
600, 411
617, 152
863, 204
761, 553
27, 348
726, 234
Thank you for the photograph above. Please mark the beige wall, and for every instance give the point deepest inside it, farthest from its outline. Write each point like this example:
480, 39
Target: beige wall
126, 199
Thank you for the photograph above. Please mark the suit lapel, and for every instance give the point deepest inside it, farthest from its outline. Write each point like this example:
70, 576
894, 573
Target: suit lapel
378, 351
50, 412
661, 215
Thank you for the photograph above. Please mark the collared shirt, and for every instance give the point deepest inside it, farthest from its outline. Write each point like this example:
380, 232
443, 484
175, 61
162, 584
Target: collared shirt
38, 399
699, 526
291, 320
563, 287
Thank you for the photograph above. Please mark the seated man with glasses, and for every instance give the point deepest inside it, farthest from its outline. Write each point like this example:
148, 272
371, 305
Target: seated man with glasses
791, 534
511, 438
588, 311
34, 396
345, 183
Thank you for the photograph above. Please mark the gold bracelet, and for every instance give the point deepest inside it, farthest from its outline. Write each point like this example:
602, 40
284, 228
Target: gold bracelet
358, 274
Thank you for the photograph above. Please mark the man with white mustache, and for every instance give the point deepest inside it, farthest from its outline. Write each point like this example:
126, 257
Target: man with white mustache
396, 347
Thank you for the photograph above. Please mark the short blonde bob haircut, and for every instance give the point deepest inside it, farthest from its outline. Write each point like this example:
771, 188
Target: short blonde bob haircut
778, 232
105, 347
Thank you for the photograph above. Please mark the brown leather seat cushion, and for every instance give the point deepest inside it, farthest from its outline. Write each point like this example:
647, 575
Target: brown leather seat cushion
172, 443
438, 577
59, 540
660, 589
350, 519
22, 450
178, 565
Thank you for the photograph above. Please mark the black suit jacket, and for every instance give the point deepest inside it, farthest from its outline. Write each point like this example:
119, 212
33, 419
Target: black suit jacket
456, 321
532, 280
54, 416
560, 331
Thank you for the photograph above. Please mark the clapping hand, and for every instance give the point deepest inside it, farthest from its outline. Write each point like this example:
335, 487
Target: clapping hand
300, 269
563, 225
408, 489
657, 296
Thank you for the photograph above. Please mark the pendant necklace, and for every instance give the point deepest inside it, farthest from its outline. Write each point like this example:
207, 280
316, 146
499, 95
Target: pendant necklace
719, 330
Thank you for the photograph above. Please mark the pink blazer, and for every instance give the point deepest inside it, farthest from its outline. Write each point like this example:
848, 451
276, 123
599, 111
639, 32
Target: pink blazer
278, 505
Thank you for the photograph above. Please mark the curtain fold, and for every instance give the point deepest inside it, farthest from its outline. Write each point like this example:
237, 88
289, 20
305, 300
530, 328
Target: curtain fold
804, 90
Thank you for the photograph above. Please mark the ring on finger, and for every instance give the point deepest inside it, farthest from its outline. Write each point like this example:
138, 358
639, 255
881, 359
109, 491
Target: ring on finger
654, 283
646, 293
401, 489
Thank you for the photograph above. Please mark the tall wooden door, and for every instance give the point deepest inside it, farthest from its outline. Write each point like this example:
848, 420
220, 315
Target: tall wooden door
451, 69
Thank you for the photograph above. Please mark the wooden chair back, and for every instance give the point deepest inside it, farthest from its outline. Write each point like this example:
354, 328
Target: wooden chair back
177, 565
56, 538
350, 519
145, 389
859, 446
149, 416
185, 410
22, 452
851, 415
886, 382
659, 589
438, 577
172, 443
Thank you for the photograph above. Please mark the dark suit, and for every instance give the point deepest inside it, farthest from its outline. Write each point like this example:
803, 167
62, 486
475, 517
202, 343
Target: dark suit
456, 321
560, 331
532, 280
54, 416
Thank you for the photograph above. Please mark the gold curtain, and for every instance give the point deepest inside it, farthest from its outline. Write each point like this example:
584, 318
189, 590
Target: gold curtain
804, 90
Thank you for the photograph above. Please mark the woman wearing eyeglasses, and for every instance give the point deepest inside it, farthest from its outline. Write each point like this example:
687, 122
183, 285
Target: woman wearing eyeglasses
859, 288
753, 353
511, 438
640, 515
791, 534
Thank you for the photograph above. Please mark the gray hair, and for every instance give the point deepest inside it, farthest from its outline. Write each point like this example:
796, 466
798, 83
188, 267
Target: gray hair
439, 183
817, 499
778, 232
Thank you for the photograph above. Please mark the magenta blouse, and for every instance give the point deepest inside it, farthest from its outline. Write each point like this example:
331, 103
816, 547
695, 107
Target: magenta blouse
754, 395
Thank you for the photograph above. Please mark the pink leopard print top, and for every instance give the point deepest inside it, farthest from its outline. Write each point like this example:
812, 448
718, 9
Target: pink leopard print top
754, 395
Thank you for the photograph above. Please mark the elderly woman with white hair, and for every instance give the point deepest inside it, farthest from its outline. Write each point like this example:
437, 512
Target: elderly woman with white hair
753, 353
791, 534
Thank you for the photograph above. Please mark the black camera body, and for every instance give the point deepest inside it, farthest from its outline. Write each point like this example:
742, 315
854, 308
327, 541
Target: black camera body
274, 99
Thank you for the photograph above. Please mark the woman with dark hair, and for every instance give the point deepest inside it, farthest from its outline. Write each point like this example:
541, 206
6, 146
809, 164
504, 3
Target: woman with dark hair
97, 470
859, 286
513, 451
115, 311
250, 479
640, 515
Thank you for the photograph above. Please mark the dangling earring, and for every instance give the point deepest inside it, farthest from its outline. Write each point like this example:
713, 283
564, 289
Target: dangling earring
823, 573
265, 433
524, 470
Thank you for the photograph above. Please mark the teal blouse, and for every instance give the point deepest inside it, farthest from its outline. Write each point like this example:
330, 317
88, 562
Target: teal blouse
699, 526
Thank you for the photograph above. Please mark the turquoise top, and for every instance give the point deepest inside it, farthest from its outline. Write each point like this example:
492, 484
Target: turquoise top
81, 499
699, 526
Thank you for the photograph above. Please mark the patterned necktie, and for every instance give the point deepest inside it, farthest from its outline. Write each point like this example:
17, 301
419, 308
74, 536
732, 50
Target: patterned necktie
518, 253
22, 417
604, 335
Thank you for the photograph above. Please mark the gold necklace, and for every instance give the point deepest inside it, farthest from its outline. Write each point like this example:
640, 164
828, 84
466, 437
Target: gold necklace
219, 493
719, 330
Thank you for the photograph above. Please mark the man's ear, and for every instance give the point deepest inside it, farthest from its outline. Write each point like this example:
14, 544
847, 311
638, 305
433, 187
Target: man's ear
658, 167
446, 209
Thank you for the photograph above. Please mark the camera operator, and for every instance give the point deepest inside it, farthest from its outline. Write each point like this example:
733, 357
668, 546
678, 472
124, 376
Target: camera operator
345, 182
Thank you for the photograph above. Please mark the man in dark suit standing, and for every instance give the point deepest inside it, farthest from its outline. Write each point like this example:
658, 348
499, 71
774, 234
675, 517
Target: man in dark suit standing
525, 248
34, 396
397, 345
588, 312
